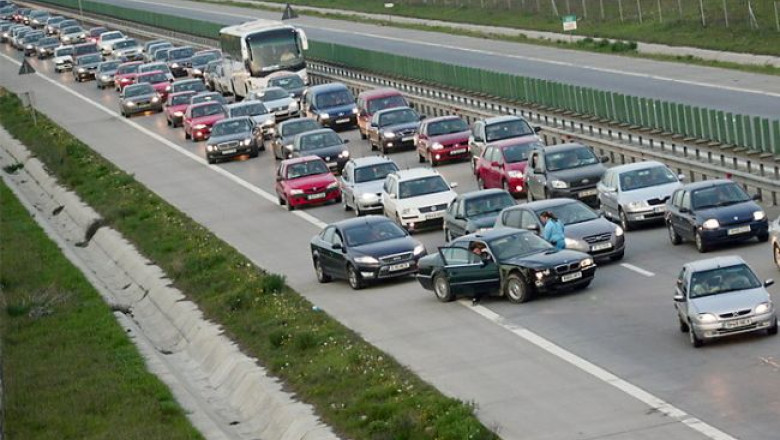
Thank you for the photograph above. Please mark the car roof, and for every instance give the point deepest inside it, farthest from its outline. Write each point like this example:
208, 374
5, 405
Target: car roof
186, 80
139, 85
714, 263
329, 87
393, 110
441, 118
706, 184
295, 160
238, 104
365, 220
481, 193
563, 147
415, 173
503, 143
205, 103
637, 166
360, 162
182, 93
492, 234
503, 118
381, 92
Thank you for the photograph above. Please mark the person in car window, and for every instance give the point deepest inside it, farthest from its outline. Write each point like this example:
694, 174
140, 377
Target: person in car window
479, 253
553, 230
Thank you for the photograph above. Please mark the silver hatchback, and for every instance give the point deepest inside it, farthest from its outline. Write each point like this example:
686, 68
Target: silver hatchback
720, 297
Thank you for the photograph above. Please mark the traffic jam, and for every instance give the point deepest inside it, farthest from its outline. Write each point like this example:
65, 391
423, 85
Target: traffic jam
543, 219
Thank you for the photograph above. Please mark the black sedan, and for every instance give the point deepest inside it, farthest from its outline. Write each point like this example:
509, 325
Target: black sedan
712, 212
503, 262
392, 129
324, 143
234, 137
364, 249
475, 211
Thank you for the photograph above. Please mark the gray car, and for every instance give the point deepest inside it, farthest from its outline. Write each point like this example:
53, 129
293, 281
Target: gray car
278, 101
324, 143
393, 128
720, 297
234, 137
45, 47
63, 58
361, 183
85, 66
564, 170
475, 211
73, 35
585, 230
139, 98
126, 49
104, 76
774, 239
257, 111
282, 140
637, 193
288, 81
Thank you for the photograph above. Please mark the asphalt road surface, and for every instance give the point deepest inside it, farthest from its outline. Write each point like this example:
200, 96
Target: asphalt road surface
606, 362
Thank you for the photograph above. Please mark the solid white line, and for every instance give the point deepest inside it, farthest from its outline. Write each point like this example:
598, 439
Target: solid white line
263, 194
638, 270
602, 374
499, 54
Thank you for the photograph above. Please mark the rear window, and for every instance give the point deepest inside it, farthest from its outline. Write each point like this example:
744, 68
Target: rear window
507, 129
182, 52
377, 104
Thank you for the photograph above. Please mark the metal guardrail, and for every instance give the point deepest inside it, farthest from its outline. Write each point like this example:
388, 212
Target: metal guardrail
622, 144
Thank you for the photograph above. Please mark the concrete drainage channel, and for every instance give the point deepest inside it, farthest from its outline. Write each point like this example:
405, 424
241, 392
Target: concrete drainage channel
225, 393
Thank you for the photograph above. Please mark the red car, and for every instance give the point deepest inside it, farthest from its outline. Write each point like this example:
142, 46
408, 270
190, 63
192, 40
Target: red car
443, 139
158, 80
502, 164
371, 101
125, 74
306, 181
175, 106
199, 118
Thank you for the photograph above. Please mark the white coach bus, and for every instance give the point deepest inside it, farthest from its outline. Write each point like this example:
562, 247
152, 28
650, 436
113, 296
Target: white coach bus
256, 49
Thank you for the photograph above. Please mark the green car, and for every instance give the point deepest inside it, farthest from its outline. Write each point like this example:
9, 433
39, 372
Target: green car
516, 264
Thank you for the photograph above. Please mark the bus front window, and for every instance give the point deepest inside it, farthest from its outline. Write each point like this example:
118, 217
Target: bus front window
274, 50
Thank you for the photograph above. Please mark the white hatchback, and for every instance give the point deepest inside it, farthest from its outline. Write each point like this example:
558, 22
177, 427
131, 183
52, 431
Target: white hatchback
417, 198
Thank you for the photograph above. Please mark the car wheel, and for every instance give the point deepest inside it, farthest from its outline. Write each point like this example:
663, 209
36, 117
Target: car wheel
169, 122
420, 157
700, 245
362, 135
254, 152
280, 200
674, 237
763, 238
517, 290
617, 257
441, 287
696, 341
127, 115
433, 162
211, 160
371, 144
776, 253
322, 277
624, 223
354, 278
683, 325
383, 150
546, 194
771, 331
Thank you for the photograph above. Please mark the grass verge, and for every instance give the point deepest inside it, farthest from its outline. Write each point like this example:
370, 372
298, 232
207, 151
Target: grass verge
357, 389
70, 371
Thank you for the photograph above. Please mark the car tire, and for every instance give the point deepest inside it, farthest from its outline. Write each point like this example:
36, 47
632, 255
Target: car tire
357, 211
696, 341
441, 288
211, 160
254, 152
762, 238
776, 255
674, 237
169, 122
701, 246
624, 222
362, 135
546, 194
371, 145
433, 161
354, 279
516, 289
280, 200
420, 158
344, 203
683, 325
771, 331
383, 150
617, 257
322, 277
126, 115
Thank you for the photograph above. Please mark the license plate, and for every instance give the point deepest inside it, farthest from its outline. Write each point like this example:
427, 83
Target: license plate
407, 138
739, 230
739, 323
600, 246
342, 120
230, 151
434, 215
458, 151
571, 277
315, 196
400, 266
588, 193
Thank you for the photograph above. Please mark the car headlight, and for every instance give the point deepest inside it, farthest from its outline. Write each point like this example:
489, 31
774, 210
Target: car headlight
199, 126
105, 77
175, 66
344, 154
29, 46
540, 274
763, 307
210, 148
759, 215
82, 70
369, 197
333, 185
178, 114
437, 146
196, 72
707, 318
572, 243
296, 192
515, 174
559, 184
83, 36
246, 142
407, 211
710, 224
388, 134
66, 38
365, 259
155, 99
619, 231
129, 103
354, 110
324, 116
637, 206
586, 262
168, 88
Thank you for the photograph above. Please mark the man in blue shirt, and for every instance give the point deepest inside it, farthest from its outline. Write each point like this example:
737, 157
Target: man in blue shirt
553, 230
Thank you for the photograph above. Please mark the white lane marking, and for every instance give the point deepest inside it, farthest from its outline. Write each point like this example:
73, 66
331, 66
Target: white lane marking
638, 270
264, 194
527, 335
499, 54
605, 376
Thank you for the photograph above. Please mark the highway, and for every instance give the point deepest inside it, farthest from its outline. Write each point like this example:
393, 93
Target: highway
607, 362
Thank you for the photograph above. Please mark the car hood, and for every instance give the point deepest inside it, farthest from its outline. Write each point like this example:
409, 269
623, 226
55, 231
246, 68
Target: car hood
373, 187
386, 247
259, 119
736, 213
328, 153
486, 220
141, 97
337, 111
230, 137
730, 301
317, 180
127, 50
662, 192
125, 75
547, 259
461, 137
208, 120
107, 73
596, 226
401, 127
592, 173
440, 198
278, 104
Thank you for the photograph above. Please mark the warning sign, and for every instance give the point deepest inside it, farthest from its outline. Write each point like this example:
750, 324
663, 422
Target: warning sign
26, 68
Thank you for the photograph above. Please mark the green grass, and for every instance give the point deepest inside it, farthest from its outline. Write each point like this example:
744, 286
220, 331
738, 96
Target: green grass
70, 371
357, 389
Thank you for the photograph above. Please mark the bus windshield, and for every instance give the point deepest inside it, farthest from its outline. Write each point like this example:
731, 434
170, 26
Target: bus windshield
274, 50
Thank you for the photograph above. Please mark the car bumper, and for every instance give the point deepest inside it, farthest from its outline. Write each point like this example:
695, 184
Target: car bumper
346, 121
280, 116
728, 234
422, 221
735, 326
371, 204
201, 133
176, 120
89, 74
648, 215
386, 271
556, 282
63, 67
104, 81
450, 154
134, 110
516, 185
314, 199
398, 142
238, 151
587, 195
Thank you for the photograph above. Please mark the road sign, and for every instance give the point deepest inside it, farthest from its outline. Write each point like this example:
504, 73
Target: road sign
569, 23
289, 13
26, 68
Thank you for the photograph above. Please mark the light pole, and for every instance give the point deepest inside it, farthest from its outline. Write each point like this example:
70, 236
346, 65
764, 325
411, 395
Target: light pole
81, 11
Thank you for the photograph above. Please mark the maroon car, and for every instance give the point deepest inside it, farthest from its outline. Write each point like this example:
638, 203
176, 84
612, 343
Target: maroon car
158, 80
175, 107
502, 164
199, 118
371, 101
442, 139
125, 74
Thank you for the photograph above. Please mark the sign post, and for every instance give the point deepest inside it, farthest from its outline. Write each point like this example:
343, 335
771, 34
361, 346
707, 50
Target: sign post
27, 97
288, 13
389, 7
569, 24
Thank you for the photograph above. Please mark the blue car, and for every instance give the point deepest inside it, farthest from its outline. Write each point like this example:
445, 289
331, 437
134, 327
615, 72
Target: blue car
332, 105
713, 212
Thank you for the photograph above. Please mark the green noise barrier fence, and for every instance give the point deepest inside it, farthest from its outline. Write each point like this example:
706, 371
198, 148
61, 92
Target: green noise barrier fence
759, 135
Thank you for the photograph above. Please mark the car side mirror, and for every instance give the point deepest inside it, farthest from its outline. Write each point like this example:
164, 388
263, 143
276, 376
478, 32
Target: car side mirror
423, 117
604, 159
537, 129
485, 258
599, 212
684, 210
393, 196
679, 298
533, 227
769, 282
756, 197
609, 189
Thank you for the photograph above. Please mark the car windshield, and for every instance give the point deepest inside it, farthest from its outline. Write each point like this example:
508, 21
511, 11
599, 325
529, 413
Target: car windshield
94, 32
231, 127
210, 97
293, 128
83, 49
507, 129
310, 168
570, 158
127, 68
490, 204
89, 59
638, 179
519, 152
139, 90
204, 58
253, 109
374, 232
108, 36
125, 44
315, 141
374, 172
391, 101
63, 52
398, 117
181, 99
290, 82
447, 126
718, 195
518, 244
207, 110
72, 30
422, 186
333, 99
193, 85
151, 67
722, 280
273, 94
33, 37
180, 53
153, 78
46, 41
108, 66
570, 213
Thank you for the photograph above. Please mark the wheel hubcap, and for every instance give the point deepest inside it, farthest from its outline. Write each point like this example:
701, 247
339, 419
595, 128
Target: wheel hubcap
514, 289
777, 255
353, 278
441, 288
319, 270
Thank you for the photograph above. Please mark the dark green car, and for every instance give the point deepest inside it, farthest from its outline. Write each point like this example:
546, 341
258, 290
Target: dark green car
503, 262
